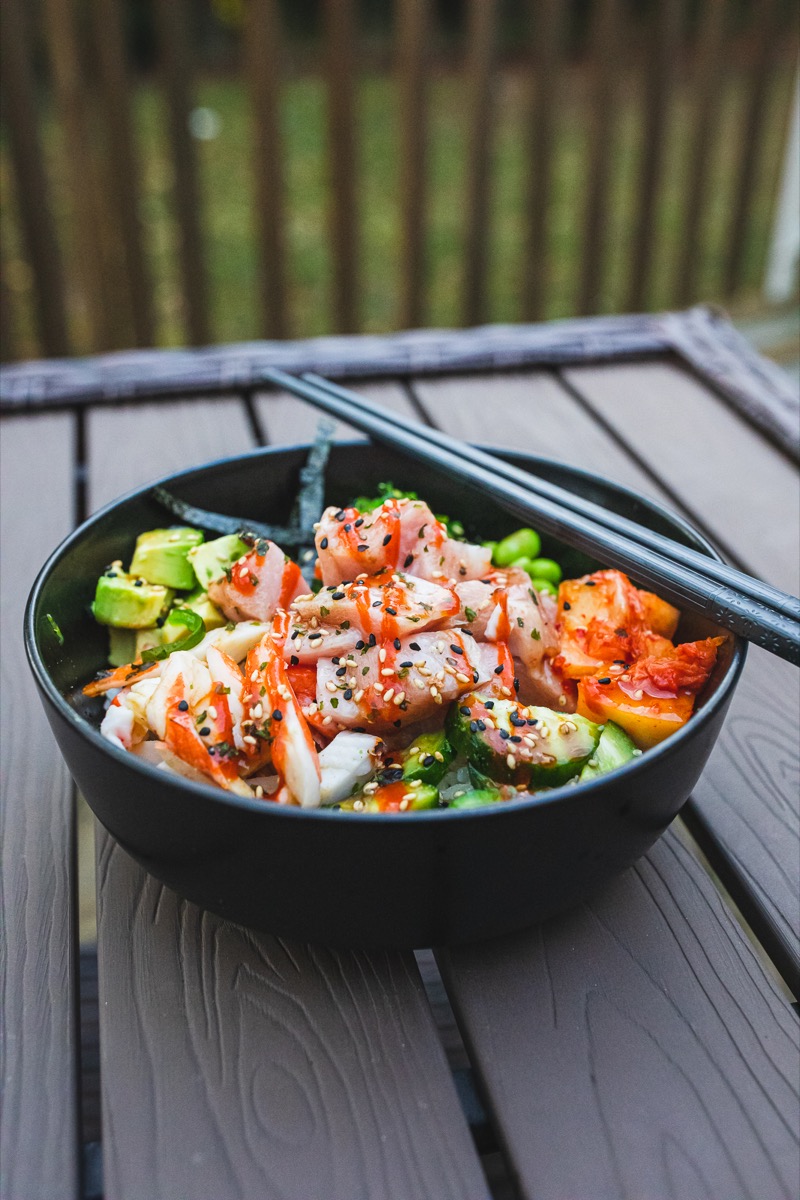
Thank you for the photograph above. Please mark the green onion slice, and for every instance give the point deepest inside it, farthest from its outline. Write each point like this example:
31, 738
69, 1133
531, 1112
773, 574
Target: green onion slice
191, 621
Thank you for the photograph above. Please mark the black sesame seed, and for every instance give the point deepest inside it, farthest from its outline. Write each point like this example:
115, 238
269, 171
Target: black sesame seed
566, 606
347, 528
312, 637
605, 679
505, 736
337, 596
516, 684
473, 726
372, 639
396, 643
341, 671
456, 649
183, 706
294, 660
323, 544
499, 669
359, 645
408, 560
277, 715
387, 539
295, 634
205, 731
138, 583
359, 522
391, 611
407, 663
481, 725
488, 704
515, 738
377, 603
414, 645
348, 693
428, 760
340, 515
517, 720
397, 724
363, 546
533, 720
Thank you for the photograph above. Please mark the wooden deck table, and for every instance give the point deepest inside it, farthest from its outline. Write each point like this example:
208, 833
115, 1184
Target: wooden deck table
643, 1046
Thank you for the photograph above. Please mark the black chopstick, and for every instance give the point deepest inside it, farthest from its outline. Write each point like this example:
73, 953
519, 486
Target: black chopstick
685, 586
765, 593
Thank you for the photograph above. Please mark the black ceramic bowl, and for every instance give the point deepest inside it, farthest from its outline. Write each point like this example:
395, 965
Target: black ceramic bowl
421, 879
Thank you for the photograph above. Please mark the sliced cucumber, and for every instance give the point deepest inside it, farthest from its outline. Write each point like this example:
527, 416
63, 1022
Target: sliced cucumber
613, 749
509, 742
477, 798
428, 757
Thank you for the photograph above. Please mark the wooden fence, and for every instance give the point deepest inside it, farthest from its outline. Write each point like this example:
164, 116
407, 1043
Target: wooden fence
78, 275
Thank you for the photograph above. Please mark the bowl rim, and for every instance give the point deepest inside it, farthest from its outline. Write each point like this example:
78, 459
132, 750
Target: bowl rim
280, 811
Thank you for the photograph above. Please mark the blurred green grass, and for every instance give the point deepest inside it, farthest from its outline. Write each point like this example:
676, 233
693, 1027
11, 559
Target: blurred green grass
227, 190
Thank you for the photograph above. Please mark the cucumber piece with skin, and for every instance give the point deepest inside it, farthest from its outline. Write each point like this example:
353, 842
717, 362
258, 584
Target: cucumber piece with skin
428, 757
477, 798
514, 743
613, 750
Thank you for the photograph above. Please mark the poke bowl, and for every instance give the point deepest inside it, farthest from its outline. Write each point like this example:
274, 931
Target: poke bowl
420, 877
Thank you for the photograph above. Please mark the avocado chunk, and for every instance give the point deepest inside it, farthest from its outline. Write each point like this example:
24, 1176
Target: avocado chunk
161, 556
126, 645
210, 559
509, 742
427, 758
199, 602
127, 601
613, 749
477, 798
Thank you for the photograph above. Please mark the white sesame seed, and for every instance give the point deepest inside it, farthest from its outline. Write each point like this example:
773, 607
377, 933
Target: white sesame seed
251, 741
382, 655
359, 695
259, 792
253, 676
637, 695
399, 698
437, 754
358, 805
512, 762
330, 685
378, 687
387, 671
461, 677
212, 712
387, 695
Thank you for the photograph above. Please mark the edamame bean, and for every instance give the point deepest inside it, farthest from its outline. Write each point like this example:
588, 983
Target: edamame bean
546, 568
544, 585
523, 543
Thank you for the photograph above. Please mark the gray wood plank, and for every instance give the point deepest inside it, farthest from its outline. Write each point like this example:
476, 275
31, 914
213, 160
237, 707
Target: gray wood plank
746, 490
235, 1064
745, 809
635, 1047
536, 1105
38, 1051
528, 411
288, 421
256, 1067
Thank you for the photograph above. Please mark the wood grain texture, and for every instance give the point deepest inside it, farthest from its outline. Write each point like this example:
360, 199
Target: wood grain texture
548, 19
38, 1053
743, 490
532, 412
635, 1047
341, 38
288, 421
254, 1067
234, 1064
744, 810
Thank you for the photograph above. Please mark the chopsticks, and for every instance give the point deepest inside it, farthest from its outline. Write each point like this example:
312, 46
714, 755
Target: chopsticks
755, 610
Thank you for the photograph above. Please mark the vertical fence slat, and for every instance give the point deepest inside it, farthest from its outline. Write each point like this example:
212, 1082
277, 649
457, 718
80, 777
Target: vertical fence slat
708, 78
341, 36
767, 22
174, 25
81, 173
481, 32
605, 54
8, 324
659, 68
413, 21
123, 162
263, 67
547, 24
38, 231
